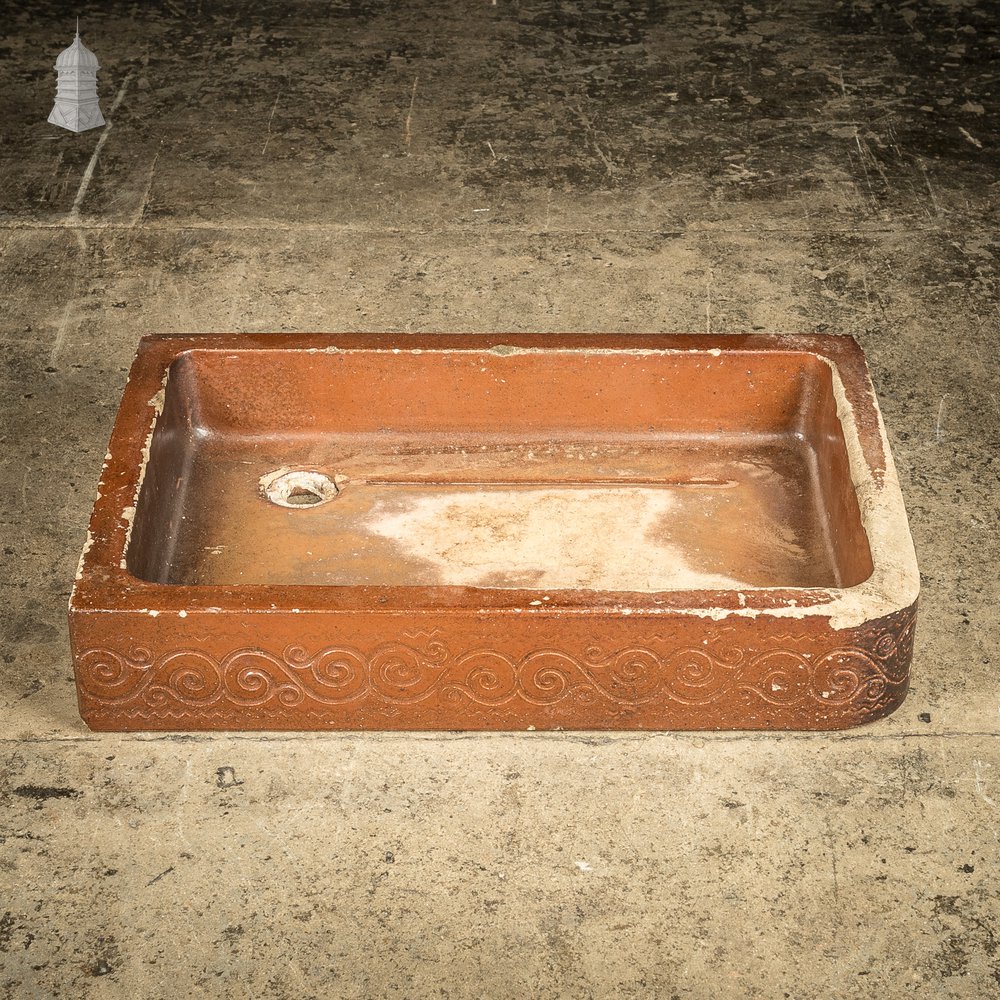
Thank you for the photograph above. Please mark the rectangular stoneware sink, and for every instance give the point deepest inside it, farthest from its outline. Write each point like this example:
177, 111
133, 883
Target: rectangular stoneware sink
495, 532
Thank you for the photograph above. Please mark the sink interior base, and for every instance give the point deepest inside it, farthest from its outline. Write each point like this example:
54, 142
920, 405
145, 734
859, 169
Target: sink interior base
573, 515
562, 471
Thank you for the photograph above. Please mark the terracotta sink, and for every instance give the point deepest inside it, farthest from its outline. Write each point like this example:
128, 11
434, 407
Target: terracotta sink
495, 532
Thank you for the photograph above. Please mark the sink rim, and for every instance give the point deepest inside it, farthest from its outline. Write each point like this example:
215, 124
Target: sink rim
104, 583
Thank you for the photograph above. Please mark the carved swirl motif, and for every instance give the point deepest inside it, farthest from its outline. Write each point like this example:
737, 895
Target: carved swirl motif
399, 673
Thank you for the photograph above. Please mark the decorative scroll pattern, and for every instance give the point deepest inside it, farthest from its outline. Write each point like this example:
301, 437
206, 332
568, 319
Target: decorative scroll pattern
186, 683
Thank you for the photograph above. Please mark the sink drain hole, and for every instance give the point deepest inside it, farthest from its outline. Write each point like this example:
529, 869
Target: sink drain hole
298, 488
300, 497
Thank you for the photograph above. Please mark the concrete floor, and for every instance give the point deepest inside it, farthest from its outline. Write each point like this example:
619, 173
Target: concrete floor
448, 166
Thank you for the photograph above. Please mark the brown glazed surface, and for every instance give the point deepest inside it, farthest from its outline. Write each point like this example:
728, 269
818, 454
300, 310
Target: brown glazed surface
593, 532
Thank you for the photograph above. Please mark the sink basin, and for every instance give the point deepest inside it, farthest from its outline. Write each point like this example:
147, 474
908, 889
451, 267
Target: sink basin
495, 532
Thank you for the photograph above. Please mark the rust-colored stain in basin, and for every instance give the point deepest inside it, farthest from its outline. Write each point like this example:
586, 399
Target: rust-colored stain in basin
495, 532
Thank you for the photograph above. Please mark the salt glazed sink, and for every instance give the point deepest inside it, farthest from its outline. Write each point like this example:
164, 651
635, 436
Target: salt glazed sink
495, 532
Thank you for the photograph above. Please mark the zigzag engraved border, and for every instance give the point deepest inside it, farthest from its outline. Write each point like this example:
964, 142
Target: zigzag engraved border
191, 681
